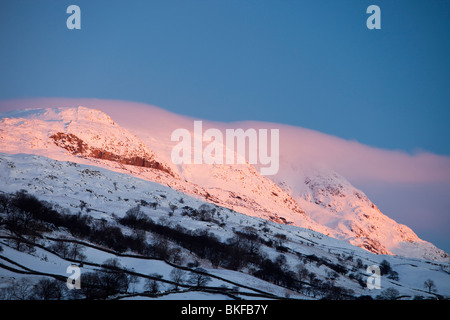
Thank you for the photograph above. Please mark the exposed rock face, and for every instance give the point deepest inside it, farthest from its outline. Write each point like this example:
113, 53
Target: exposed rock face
70, 142
77, 146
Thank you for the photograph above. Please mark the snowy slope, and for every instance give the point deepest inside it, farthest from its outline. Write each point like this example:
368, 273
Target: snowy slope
320, 200
331, 200
105, 194
239, 187
81, 131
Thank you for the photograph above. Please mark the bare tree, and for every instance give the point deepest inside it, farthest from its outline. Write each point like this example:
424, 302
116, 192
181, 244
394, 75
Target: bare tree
302, 272
178, 277
105, 283
5, 203
429, 284
133, 280
312, 277
76, 251
388, 294
47, 289
161, 246
21, 289
112, 263
199, 278
175, 255
385, 267
61, 248
134, 216
152, 285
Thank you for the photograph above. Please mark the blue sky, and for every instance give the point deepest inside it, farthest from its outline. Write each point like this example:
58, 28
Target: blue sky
307, 63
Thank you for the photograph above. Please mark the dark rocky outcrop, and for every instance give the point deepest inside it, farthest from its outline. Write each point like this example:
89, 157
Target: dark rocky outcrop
77, 146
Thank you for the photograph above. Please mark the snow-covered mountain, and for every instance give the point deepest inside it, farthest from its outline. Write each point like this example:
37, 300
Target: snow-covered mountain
81, 131
285, 261
308, 197
332, 201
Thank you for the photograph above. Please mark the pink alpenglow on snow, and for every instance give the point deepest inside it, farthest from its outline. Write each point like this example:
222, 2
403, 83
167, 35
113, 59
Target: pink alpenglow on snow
308, 189
256, 152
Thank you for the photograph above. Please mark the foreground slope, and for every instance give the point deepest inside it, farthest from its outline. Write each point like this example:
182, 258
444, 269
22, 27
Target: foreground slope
334, 268
320, 200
